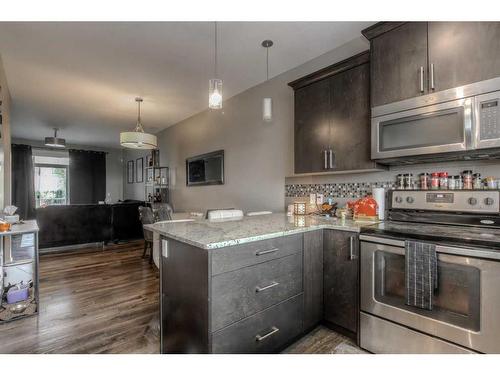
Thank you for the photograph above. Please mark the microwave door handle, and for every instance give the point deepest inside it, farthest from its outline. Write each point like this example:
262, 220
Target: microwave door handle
421, 79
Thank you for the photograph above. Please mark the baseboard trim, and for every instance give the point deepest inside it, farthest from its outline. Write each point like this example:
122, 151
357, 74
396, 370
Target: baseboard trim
58, 249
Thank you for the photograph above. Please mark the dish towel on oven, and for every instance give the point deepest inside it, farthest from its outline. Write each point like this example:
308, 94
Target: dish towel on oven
421, 274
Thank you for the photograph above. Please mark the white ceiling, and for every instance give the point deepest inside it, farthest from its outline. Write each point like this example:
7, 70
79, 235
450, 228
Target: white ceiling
83, 77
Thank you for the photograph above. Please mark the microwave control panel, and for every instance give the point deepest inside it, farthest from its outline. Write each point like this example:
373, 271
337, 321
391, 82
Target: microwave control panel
489, 118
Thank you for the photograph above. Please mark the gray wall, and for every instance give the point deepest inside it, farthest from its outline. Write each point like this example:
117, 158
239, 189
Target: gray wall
136, 189
114, 168
258, 155
5, 152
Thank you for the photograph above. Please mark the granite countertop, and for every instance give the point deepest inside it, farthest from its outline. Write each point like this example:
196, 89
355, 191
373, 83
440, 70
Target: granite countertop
213, 234
25, 227
446, 234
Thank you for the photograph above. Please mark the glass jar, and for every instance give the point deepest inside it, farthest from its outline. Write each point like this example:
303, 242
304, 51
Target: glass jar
435, 181
400, 182
459, 184
424, 181
409, 181
443, 180
477, 182
491, 183
467, 178
452, 185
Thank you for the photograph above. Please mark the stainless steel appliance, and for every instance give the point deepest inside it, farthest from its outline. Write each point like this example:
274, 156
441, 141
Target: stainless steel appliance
465, 227
458, 123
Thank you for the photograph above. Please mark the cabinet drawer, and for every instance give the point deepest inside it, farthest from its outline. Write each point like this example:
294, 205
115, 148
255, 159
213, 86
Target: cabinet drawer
265, 332
244, 292
234, 257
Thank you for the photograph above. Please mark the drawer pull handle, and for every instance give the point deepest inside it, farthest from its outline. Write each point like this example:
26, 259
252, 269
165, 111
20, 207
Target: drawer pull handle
269, 334
272, 285
263, 252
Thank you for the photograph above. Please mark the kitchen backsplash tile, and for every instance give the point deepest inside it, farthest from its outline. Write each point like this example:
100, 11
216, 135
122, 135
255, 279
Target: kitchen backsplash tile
335, 190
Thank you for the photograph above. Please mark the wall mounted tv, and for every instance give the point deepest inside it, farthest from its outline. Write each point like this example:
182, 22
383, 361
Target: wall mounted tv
206, 169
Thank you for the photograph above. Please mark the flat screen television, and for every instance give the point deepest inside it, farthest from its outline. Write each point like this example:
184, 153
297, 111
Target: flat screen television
206, 169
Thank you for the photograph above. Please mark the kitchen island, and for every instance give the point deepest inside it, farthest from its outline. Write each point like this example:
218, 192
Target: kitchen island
255, 284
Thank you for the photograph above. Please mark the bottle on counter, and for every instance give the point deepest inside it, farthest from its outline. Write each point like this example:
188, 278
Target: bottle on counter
477, 182
435, 181
400, 182
409, 181
424, 181
459, 183
467, 179
452, 183
443, 180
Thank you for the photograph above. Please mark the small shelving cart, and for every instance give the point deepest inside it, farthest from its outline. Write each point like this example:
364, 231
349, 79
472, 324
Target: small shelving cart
156, 185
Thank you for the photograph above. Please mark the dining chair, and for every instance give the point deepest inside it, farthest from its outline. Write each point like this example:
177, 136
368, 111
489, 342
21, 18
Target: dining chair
146, 216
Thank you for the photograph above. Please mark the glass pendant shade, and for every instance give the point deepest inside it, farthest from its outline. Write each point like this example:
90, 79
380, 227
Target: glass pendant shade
215, 93
267, 109
138, 139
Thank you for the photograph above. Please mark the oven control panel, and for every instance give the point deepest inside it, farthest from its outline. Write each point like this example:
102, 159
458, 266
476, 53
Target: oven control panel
480, 201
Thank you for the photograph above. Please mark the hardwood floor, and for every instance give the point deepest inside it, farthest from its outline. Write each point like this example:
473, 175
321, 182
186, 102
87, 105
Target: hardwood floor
91, 302
95, 301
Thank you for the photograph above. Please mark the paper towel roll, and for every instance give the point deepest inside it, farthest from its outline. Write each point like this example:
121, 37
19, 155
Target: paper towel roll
379, 196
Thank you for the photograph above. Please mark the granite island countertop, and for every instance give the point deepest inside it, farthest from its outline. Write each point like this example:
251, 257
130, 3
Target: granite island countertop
213, 234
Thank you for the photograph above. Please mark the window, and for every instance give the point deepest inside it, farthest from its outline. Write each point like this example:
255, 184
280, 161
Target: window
51, 177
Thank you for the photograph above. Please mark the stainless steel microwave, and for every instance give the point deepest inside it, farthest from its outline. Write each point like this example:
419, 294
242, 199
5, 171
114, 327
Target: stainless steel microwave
461, 122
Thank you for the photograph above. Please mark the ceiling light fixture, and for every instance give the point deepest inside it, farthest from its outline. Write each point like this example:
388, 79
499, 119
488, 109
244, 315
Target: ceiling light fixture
138, 138
267, 103
55, 141
215, 84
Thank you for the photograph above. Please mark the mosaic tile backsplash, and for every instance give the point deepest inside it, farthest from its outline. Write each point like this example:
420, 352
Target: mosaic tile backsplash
336, 190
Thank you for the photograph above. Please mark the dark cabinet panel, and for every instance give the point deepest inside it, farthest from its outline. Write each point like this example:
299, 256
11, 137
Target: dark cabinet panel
397, 59
463, 52
312, 126
341, 280
350, 119
332, 118
313, 278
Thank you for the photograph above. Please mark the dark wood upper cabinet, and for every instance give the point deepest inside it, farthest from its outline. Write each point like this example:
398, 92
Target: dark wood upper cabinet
332, 116
399, 64
341, 280
463, 52
312, 126
417, 58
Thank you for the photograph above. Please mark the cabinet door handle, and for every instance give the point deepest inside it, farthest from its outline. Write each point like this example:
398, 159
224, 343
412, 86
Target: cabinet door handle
272, 285
421, 79
269, 334
352, 253
330, 152
326, 159
432, 77
264, 252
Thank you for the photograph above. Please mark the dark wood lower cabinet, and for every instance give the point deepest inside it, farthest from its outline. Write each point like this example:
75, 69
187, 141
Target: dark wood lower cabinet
341, 280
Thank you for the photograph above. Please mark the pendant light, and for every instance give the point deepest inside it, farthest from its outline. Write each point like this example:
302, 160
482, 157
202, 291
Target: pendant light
55, 141
137, 138
215, 84
267, 103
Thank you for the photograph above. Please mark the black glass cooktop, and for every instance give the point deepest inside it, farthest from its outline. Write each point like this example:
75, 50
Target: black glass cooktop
452, 234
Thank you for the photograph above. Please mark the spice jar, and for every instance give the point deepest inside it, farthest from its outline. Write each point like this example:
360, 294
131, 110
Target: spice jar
400, 182
491, 183
452, 185
424, 181
434, 181
459, 184
443, 180
477, 183
467, 178
409, 181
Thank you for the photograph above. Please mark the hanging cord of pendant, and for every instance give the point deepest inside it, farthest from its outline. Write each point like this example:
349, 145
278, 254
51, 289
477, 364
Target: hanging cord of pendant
267, 63
215, 56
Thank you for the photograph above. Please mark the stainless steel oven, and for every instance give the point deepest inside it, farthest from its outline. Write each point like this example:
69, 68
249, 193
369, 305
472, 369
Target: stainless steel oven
466, 306
453, 121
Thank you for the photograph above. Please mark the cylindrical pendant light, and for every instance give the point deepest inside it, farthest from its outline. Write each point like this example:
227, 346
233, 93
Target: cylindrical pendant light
267, 103
138, 138
215, 84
